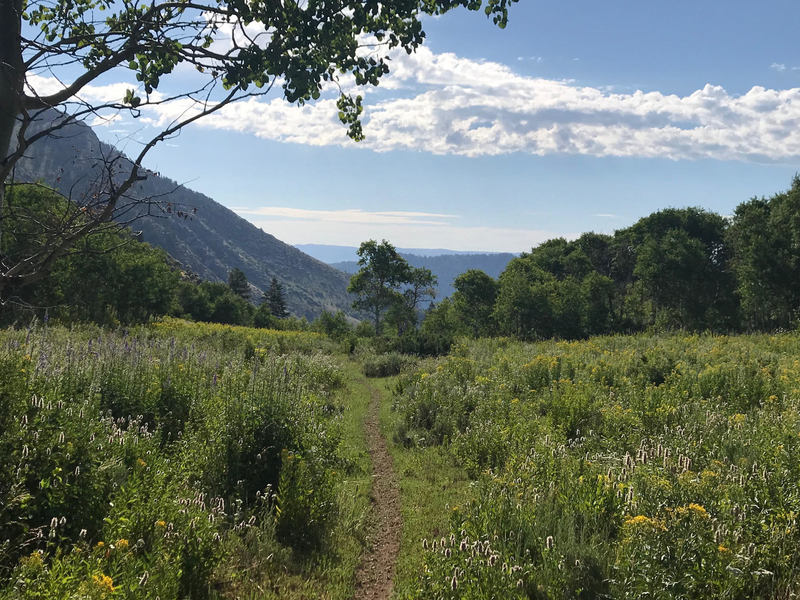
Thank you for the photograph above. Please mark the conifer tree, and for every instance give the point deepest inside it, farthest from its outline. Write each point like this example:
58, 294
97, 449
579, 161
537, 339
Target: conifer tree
237, 281
276, 300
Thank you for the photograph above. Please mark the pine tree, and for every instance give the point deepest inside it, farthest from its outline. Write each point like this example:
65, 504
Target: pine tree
237, 281
276, 300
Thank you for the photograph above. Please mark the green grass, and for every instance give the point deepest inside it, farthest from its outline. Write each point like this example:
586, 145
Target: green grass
431, 485
328, 575
620, 467
179, 460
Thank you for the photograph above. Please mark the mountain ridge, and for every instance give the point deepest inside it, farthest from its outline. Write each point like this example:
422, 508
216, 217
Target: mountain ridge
204, 236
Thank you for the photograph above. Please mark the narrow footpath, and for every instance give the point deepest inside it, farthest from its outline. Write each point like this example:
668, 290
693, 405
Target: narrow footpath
375, 575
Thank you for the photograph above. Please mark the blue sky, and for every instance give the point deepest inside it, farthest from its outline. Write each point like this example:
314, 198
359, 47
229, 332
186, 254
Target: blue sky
580, 115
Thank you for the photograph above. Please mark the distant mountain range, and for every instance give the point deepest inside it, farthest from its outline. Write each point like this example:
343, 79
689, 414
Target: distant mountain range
207, 239
337, 254
446, 267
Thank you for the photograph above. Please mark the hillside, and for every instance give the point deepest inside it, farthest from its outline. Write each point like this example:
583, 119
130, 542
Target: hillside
207, 239
446, 267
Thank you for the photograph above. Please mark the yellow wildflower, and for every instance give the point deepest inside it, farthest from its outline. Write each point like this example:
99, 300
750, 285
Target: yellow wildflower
122, 544
104, 582
699, 510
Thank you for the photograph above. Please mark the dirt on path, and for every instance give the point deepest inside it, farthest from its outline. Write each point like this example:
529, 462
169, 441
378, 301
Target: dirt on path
375, 575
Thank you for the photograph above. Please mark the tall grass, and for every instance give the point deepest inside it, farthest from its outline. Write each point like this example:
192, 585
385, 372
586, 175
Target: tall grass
620, 467
141, 464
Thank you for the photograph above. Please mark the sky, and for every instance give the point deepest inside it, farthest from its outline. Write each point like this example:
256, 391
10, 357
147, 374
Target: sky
579, 116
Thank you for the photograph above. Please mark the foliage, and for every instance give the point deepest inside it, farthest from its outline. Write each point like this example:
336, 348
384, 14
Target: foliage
620, 467
385, 281
674, 269
473, 302
238, 283
275, 299
139, 463
386, 365
110, 277
765, 240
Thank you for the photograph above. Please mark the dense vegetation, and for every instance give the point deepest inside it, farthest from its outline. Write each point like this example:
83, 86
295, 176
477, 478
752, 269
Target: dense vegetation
205, 237
621, 467
675, 269
175, 461
112, 278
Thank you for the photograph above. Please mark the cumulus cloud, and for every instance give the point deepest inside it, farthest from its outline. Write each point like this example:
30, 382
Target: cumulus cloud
446, 104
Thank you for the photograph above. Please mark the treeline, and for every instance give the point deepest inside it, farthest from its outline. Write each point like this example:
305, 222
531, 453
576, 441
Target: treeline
111, 278
674, 269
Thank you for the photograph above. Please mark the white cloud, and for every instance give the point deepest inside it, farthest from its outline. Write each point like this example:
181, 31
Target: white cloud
350, 216
105, 121
446, 104
778, 67
402, 228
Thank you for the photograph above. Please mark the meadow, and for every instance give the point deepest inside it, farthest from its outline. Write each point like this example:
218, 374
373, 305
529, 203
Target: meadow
619, 467
177, 460
186, 460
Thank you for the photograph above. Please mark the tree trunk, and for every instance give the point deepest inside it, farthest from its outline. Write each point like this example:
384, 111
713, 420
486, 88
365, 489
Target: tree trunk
12, 76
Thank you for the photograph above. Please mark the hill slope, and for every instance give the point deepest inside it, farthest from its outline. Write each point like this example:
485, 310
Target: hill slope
208, 240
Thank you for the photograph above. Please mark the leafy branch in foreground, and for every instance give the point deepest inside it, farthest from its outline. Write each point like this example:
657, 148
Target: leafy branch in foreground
52, 53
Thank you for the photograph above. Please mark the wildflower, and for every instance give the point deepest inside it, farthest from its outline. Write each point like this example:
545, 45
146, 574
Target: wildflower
34, 560
100, 544
699, 510
140, 462
161, 523
104, 582
722, 548
122, 544
549, 542
143, 579
454, 583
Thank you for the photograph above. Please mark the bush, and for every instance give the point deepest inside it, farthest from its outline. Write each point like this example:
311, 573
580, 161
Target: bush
386, 365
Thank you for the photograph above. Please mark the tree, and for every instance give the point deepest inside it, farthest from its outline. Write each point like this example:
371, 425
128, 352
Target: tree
473, 302
523, 307
52, 51
276, 300
438, 329
765, 245
108, 277
419, 283
387, 282
682, 268
238, 283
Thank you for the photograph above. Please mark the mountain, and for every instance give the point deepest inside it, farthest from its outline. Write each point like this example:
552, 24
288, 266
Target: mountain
336, 254
204, 236
446, 267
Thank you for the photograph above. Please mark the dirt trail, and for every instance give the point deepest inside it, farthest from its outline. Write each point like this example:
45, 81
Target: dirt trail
375, 575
